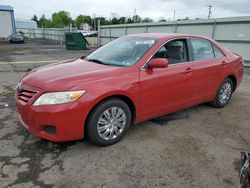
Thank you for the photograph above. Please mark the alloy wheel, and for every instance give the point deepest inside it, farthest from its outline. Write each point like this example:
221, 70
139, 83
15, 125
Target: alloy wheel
225, 93
111, 123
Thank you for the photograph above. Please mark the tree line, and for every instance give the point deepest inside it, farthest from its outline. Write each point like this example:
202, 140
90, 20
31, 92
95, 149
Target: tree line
63, 19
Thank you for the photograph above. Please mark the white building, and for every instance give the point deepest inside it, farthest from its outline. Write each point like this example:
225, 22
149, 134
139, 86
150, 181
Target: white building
85, 27
7, 21
25, 24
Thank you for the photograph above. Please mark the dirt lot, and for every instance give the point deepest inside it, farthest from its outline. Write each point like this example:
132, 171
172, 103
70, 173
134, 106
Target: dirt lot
198, 147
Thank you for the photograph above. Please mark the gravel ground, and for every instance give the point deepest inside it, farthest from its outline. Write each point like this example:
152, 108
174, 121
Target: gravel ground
198, 147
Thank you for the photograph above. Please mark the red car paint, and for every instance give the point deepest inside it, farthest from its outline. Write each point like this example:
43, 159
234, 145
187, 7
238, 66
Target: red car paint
153, 92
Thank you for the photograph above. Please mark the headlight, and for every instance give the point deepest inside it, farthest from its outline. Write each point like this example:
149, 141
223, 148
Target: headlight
58, 97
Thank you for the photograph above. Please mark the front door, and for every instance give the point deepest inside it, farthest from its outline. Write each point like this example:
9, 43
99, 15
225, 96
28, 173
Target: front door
165, 90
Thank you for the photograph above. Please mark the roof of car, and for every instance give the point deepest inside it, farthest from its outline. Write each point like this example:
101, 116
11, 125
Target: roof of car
163, 35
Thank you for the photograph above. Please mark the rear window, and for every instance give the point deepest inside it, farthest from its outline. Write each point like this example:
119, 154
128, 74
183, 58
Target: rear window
217, 52
201, 49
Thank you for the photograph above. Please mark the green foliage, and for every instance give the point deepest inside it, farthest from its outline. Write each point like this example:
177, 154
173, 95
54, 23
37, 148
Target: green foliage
34, 18
130, 20
44, 22
162, 19
137, 19
81, 19
103, 21
61, 19
122, 20
147, 20
185, 19
114, 21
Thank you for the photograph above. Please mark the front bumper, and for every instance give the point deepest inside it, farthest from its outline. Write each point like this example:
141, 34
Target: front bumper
68, 119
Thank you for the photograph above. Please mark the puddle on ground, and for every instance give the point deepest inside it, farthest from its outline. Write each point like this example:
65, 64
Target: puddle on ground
171, 117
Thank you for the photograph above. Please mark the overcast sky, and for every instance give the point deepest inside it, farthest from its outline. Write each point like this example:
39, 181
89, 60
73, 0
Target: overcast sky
155, 9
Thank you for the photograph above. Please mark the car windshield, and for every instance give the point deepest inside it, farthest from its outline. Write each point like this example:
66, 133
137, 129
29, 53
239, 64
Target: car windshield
125, 51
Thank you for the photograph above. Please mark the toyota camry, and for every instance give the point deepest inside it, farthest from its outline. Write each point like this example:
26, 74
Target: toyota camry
127, 81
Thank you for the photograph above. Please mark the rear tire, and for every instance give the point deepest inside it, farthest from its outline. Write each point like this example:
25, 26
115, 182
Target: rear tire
108, 122
223, 94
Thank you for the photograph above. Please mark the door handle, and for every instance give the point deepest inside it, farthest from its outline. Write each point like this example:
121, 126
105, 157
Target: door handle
224, 63
188, 70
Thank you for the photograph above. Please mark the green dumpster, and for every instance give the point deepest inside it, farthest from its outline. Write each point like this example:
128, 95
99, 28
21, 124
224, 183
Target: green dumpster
76, 41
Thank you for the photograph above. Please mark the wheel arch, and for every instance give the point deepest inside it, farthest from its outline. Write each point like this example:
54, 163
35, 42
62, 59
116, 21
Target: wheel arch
234, 80
122, 97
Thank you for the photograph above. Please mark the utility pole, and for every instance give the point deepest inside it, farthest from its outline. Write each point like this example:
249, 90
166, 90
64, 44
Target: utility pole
94, 23
174, 21
134, 15
209, 11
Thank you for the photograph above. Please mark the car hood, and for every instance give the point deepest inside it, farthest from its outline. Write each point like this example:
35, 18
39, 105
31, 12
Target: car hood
69, 74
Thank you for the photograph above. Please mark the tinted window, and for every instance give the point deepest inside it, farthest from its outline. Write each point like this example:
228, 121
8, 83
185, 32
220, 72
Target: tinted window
217, 52
175, 51
202, 49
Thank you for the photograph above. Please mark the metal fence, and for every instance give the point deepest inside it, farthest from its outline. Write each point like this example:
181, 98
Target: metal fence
233, 33
53, 34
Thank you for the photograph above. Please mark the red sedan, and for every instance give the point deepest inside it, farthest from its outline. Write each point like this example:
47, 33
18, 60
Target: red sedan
127, 81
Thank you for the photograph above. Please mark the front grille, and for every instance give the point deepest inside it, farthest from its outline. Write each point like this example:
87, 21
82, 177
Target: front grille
25, 95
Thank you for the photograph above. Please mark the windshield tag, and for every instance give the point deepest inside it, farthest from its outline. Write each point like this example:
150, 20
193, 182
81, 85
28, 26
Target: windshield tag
145, 42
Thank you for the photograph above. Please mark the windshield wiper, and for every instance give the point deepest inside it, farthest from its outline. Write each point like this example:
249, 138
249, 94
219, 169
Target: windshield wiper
96, 61
103, 63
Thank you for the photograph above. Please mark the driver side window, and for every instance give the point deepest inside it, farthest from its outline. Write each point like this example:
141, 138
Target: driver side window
174, 51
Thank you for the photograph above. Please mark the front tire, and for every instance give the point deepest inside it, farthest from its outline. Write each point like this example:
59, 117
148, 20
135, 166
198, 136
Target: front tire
108, 122
223, 94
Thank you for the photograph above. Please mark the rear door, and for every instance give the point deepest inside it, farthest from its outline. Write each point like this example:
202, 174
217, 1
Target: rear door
208, 64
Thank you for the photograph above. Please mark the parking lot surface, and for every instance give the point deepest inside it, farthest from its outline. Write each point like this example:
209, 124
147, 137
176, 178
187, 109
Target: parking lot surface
32, 54
197, 147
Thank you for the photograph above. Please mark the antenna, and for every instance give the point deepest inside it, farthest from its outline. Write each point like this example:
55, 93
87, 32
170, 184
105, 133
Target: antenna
209, 11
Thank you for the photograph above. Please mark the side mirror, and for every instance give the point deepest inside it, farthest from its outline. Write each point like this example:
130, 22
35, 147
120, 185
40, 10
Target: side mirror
158, 63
